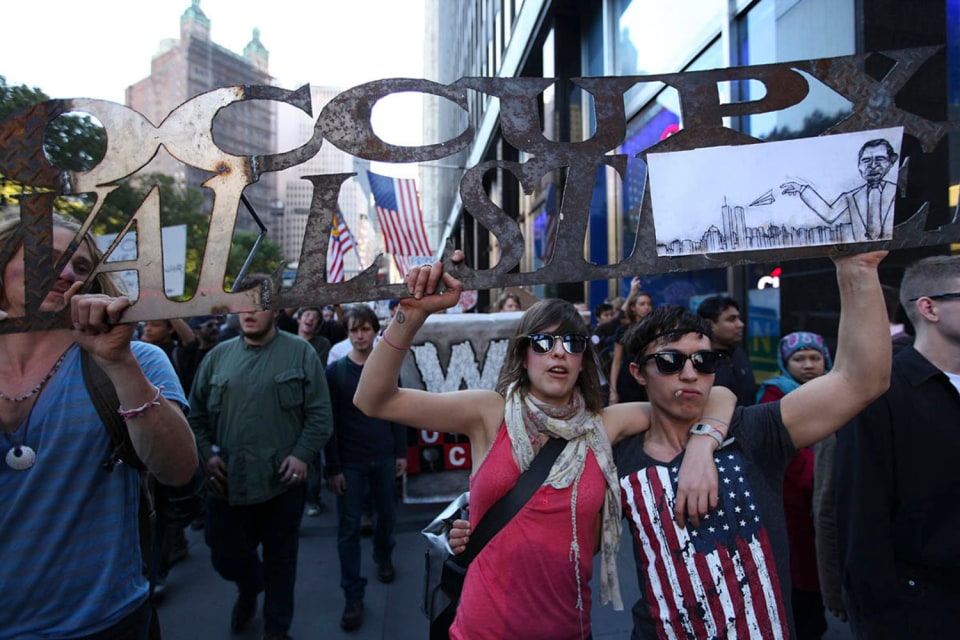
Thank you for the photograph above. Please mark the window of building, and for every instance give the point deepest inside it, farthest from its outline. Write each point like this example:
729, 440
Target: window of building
784, 30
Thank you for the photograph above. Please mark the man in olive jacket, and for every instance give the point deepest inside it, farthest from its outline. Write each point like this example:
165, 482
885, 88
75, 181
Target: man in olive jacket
260, 409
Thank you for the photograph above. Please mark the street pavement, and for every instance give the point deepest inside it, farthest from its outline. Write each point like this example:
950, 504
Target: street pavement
197, 602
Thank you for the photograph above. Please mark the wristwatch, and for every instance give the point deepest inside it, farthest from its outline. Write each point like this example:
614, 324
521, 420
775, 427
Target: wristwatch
704, 429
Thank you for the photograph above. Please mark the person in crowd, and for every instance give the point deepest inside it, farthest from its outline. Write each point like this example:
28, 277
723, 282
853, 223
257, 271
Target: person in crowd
549, 387
187, 356
603, 312
287, 321
169, 541
337, 351
230, 327
186, 360
603, 345
728, 575
59, 499
308, 320
328, 314
623, 386
507, 302
167, 334
360, 460
896, 478
735, 372
802, 356
603, 341
260, 409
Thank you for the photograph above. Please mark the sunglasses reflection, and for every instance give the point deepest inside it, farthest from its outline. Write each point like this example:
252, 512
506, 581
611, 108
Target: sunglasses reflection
543, 343
669, 362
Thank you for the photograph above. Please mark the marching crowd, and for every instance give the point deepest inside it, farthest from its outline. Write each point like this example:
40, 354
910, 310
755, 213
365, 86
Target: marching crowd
752, 512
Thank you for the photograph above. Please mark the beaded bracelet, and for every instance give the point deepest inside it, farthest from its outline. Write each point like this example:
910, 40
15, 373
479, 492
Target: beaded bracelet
126, 414
395, 346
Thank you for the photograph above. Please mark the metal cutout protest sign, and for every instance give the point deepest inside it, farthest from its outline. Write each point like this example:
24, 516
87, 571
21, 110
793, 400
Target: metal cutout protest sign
186, 133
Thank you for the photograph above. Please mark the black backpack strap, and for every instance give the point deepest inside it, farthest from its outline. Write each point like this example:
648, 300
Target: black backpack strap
455, 567
506, 507
104, 398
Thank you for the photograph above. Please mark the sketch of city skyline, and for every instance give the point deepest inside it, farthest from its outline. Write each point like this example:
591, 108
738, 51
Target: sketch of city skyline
791, 193
733, 234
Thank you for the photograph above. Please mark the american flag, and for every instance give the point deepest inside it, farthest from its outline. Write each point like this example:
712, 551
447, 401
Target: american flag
341, 242
398, 210
717, 580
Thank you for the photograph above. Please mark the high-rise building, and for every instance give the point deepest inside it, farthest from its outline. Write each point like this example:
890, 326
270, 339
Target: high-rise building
296, 193
192, 64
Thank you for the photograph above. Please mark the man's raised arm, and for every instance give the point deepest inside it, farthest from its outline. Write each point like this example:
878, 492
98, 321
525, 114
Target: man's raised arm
862, 367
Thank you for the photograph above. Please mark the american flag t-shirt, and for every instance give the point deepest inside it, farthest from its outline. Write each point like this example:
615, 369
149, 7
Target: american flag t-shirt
717, 580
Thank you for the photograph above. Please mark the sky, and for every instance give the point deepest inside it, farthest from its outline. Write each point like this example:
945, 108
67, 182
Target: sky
108, 44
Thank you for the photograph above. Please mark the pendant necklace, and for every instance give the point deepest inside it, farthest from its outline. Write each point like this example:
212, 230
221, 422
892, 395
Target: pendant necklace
21, 457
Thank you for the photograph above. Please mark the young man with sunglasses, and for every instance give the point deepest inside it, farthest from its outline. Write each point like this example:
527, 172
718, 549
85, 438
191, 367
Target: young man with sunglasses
896, 477
727, 576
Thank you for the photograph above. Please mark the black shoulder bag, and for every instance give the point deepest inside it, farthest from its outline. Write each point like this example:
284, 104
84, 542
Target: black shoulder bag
455, 566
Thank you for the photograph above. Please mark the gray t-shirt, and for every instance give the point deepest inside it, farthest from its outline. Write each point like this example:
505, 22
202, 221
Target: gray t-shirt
731, 575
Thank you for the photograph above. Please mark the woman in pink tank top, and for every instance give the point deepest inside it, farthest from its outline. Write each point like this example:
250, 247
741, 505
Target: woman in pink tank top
532, 580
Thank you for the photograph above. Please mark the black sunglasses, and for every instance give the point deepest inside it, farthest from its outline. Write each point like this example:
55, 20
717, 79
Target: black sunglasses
673, 361
543, 343
939, 296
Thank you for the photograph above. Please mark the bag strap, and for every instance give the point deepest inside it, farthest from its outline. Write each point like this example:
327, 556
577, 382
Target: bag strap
105, 400
104, 397
506, 507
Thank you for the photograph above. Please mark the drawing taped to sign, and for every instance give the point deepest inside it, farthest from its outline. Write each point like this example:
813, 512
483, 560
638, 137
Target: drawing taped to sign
776, 195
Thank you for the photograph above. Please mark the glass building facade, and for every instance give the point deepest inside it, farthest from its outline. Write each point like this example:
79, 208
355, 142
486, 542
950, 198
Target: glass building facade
567, 39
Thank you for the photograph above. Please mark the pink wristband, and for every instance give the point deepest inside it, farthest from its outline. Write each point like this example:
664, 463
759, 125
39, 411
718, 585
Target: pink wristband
395, 346
126, 414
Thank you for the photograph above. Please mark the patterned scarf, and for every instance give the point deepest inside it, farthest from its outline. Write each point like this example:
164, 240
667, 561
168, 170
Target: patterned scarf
526, 418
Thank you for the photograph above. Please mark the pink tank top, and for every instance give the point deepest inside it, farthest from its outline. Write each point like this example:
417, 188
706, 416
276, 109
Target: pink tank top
524, 583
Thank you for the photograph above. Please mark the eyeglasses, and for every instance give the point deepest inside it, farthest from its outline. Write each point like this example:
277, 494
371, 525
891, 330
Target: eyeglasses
939, 296
543, 343
673, 361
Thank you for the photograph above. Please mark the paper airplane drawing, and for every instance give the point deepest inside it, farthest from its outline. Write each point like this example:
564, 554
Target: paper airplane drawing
766, 198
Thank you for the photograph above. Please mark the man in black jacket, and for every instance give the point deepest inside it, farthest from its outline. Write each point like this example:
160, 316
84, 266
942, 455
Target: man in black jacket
896, 476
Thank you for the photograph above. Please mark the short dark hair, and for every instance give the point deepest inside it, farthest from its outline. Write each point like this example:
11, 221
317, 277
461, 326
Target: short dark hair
878, 142
927, 277
302, 310
602, 308
358, 314
712, 307
664, 324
